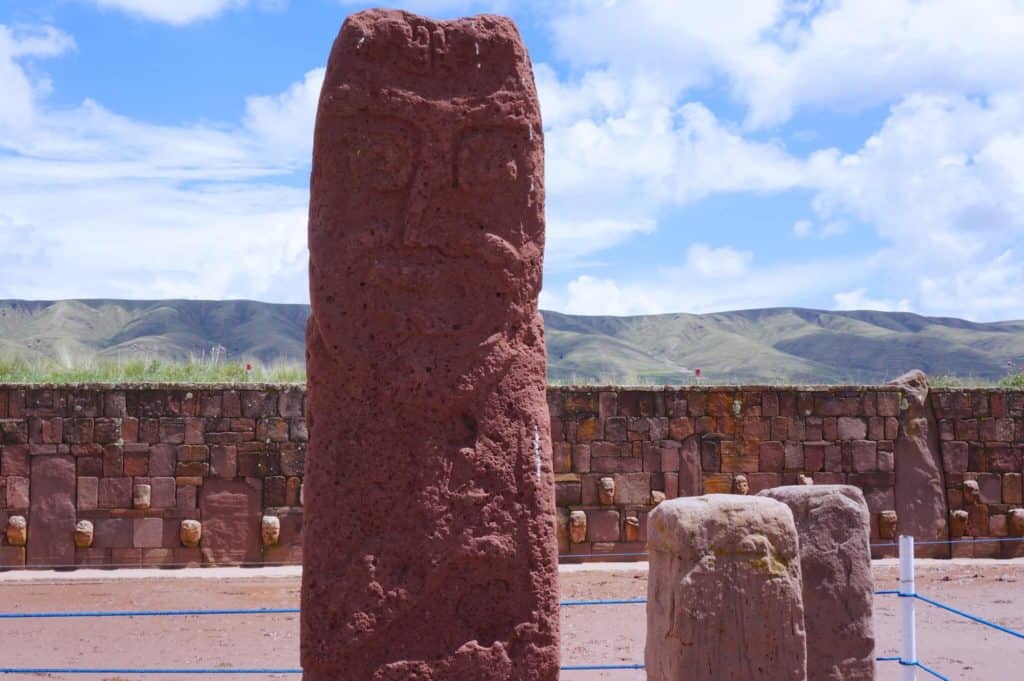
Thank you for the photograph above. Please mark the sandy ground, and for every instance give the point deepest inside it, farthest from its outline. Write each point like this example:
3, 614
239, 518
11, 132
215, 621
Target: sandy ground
957, 648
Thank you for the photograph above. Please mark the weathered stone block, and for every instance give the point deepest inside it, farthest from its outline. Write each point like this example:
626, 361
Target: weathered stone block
833, 525
603, 526
724, 572
52, 514
147, 533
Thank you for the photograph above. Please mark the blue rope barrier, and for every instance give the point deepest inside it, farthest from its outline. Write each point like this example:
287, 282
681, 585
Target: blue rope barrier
75, 670
979, 620
624, 601
888, 592
144, 613
932, 672
239, 611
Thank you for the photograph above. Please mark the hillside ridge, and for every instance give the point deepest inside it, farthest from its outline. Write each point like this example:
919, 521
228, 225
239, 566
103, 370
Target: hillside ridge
787, 344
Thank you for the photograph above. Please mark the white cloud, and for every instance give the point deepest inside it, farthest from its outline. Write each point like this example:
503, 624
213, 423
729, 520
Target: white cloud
19, 92
858, 299
139, 210
709, 262
675, 289
174, 12
284, 122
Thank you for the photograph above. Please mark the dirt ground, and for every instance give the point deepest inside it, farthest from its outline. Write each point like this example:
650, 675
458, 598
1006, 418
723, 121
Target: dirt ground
955, 647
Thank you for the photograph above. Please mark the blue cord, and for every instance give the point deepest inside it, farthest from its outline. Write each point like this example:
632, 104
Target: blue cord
1001, 628
627, 601
73, 670
259, 611
932, 672
143, 613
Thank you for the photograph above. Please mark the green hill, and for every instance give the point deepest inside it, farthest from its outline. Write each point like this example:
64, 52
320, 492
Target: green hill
775, 345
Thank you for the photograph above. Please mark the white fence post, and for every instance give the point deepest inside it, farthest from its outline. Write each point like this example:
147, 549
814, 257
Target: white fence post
908, 654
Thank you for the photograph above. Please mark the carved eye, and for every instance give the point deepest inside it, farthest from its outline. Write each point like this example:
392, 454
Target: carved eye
383, 156
488, 159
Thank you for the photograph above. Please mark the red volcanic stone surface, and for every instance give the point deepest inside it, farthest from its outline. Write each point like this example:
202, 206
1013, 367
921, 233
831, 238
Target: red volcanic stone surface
921, 503
231, 512
52, 516
833, 524
430, 549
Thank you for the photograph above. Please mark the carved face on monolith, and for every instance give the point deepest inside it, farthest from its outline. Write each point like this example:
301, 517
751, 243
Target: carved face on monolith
430, 549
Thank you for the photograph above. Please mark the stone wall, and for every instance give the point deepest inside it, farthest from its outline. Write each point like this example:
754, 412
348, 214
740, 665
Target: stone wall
231, 456
224, 456
653, 443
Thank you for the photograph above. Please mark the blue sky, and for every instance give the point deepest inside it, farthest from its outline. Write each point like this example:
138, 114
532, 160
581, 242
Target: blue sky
700, 156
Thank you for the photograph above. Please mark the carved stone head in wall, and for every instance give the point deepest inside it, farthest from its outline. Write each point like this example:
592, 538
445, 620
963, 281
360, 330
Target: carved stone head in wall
740, 485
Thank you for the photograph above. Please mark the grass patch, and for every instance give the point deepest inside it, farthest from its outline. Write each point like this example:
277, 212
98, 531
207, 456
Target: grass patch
144, 370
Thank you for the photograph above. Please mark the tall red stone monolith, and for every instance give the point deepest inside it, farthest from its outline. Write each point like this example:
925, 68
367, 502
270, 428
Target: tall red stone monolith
430, 551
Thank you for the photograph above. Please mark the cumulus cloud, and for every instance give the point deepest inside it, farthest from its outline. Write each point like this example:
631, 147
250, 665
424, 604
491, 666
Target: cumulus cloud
858, 299
174, 12
708, 262
118, 207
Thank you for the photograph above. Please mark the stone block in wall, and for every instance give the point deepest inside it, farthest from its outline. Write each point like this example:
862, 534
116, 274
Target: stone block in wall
164, 492
762, 481
581, 458
14, 460
616, 464
756, 428
954, 456
717, 483
967, 429
13, 432
632, 489
561, 457
737, 458
603, 526
112, 533
851, 428
115, 493
172, 430
300, 433
243, 425
52, 515
1012, 493
149, 430
258, 404
793, 455
136, 461
1002, 458
864, 455
147, 533
87, 494
990, 487
636, 403
231, 512
89, 466
106, 430
113, 461
126, 557
830, 428
814, 457
12, 556
568, 492
886, 461
17, 493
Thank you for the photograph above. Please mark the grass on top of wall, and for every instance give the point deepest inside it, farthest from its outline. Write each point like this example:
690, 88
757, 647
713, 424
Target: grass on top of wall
147, 370
204, 370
